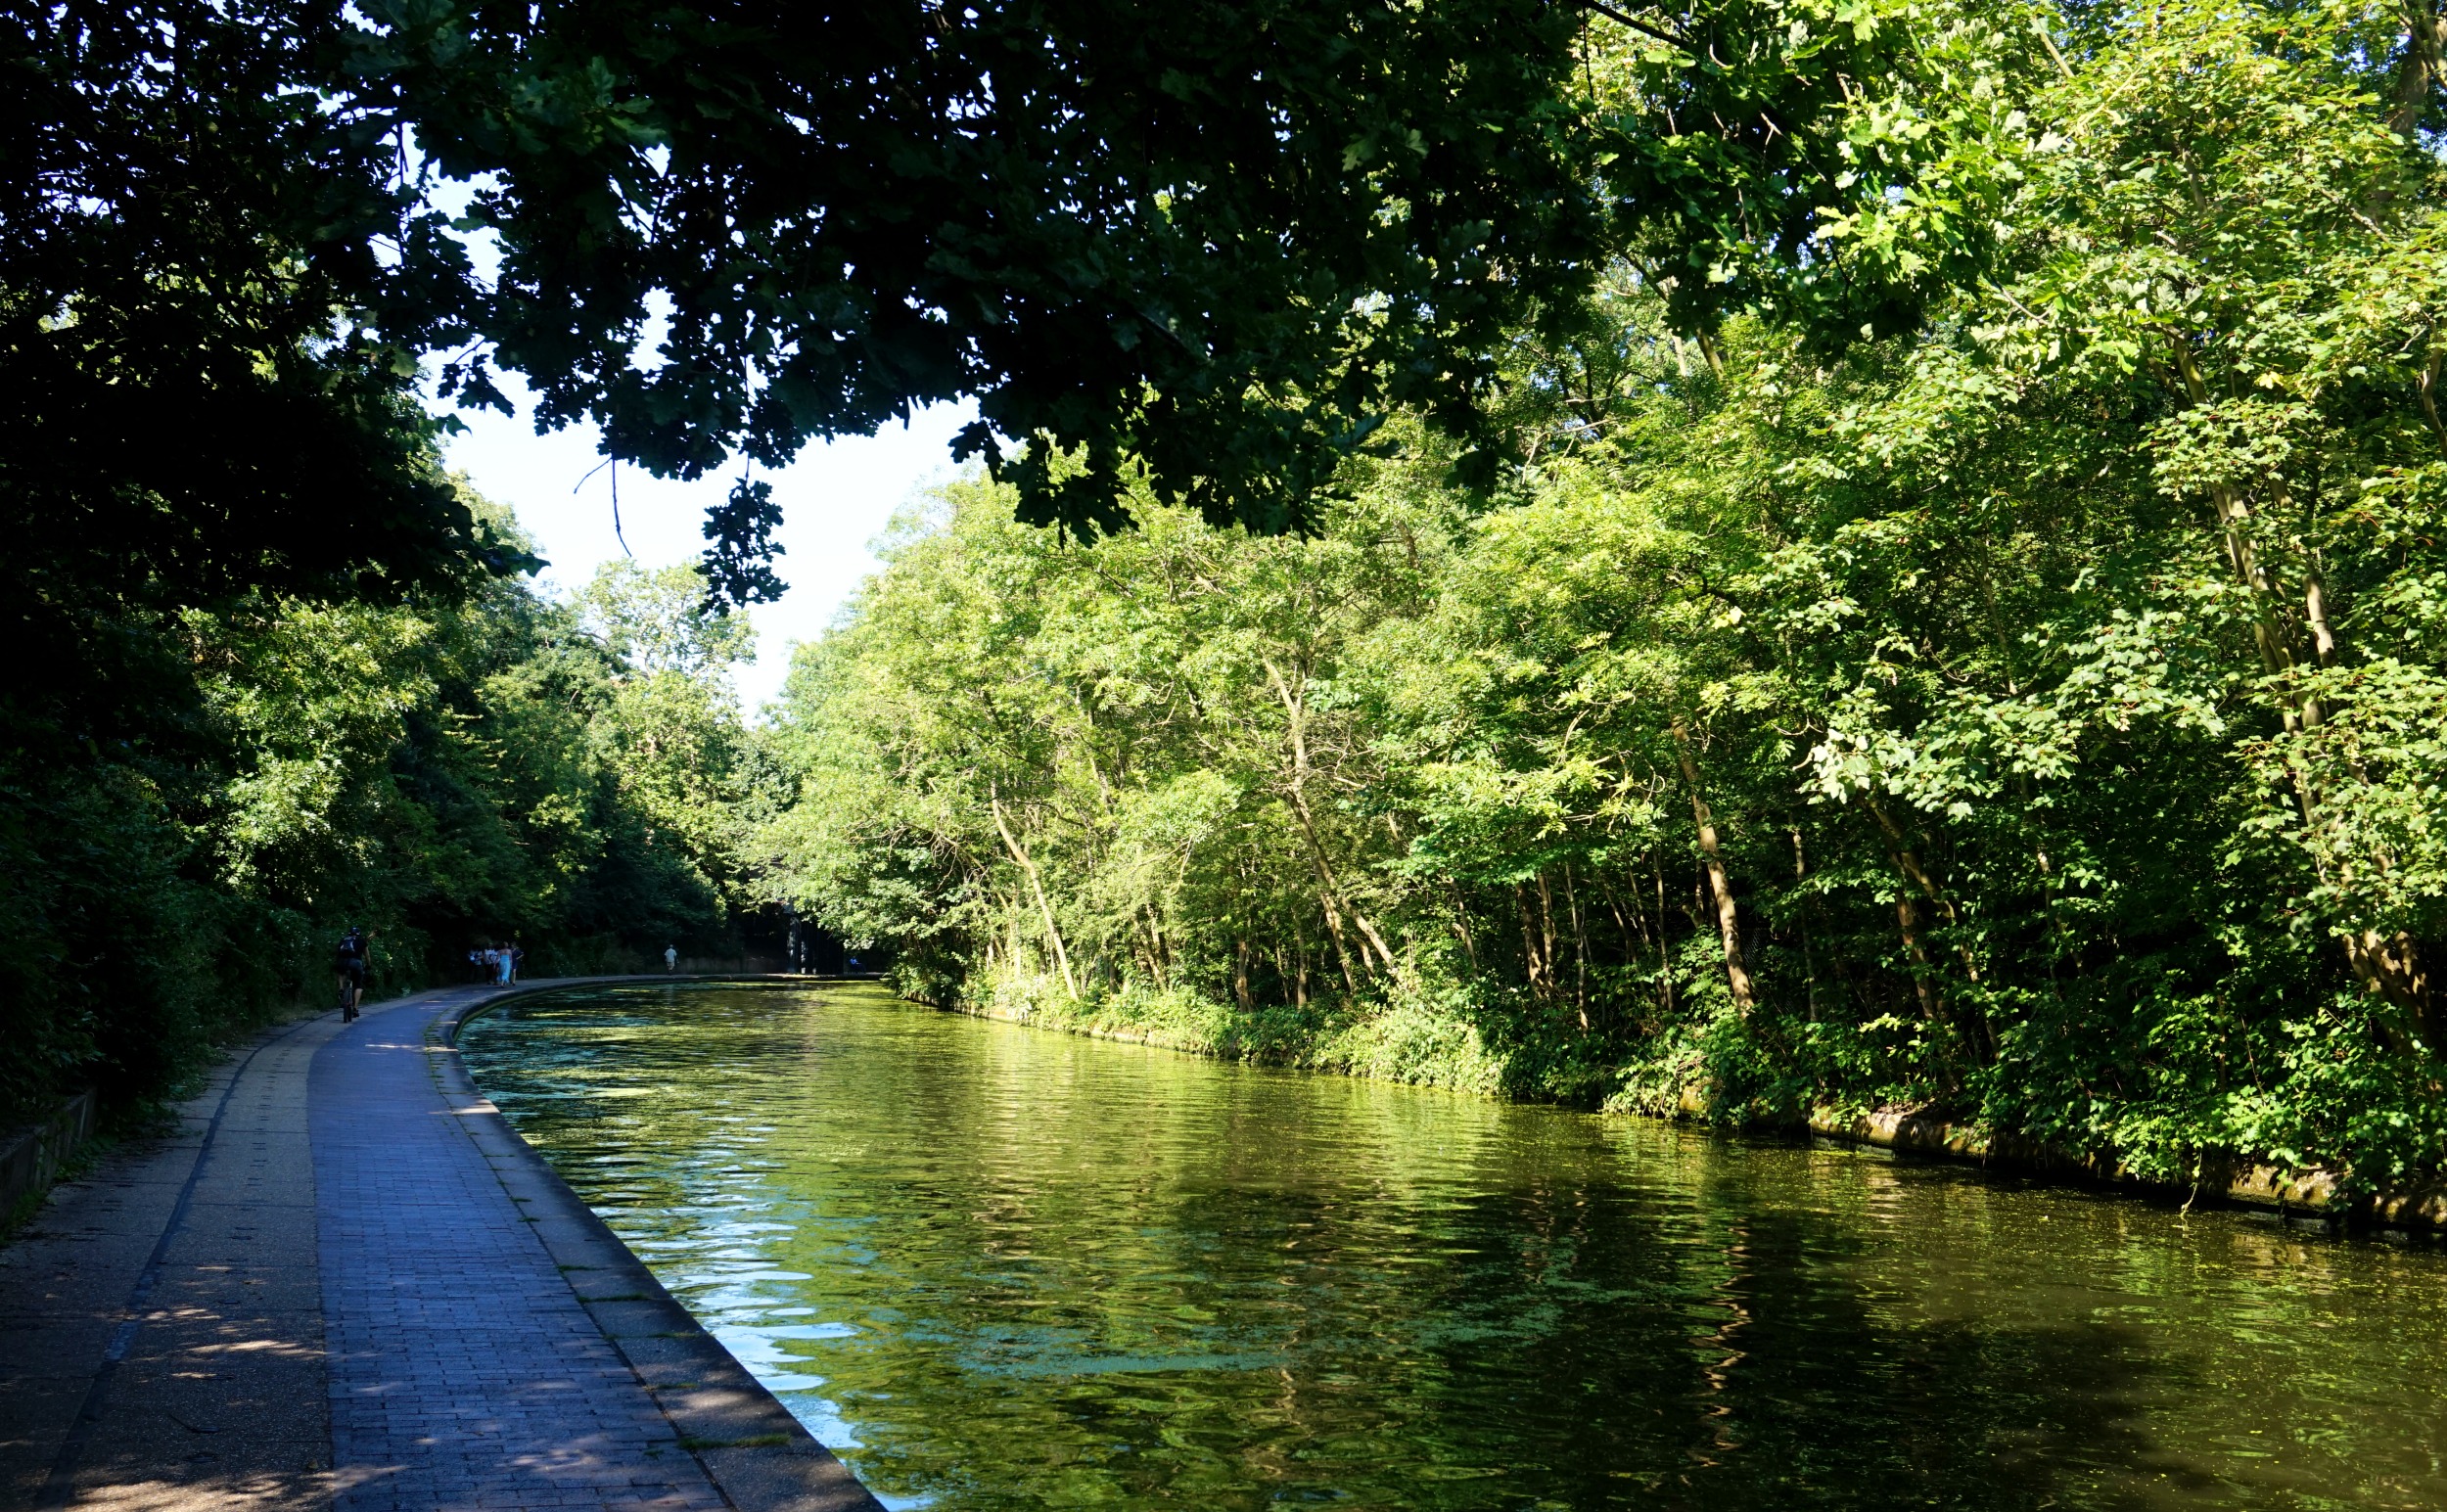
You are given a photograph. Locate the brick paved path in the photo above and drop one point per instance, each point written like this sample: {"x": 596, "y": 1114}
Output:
{"x": 161, "y": 1325}
{"x": 464, "y": 1371}
{"x": 346, "y": 1282}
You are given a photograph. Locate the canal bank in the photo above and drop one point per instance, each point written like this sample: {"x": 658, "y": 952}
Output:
{"x": 1441, "y": 1056}
{"x": 344, "y": 1281}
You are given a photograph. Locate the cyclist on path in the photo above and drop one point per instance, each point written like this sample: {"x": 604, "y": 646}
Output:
{"x": 353, "y": 961}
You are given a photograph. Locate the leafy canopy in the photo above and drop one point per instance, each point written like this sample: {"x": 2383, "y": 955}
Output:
{"x": 1220, "y": 242}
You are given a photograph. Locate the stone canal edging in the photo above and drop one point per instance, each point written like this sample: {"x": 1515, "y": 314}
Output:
{"x": 339, "y": 1282}
{"x": 2312, "y": 1194}
{"x": 756, "y": 1453}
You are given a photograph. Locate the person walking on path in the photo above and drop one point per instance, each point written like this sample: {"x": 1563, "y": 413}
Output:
{"x": 671, "y": 957}
{"x": 514, "y": 958}
{"x": 352, "y": 961}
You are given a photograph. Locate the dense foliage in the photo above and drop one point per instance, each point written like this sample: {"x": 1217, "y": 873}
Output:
{"x": 2034, "y": 715}
{"x": 244, "y": 242}
{"x": 445, "y": 772}
{"x": 1214, "y": 241}
{"x": 1850, "y": 553}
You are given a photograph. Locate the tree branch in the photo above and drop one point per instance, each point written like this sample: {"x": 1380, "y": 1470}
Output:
{"x": 1645, "y": 29}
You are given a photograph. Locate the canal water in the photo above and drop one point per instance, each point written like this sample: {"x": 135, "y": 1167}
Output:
{"x": 996, "y": 1267}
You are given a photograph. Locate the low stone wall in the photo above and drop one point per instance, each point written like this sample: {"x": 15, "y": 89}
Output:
{"x": 2311, "y": 1192}
{"x": 32, "y": 1157}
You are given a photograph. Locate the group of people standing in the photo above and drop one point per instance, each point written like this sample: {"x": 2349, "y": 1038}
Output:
{"x": 497, "y": 964}
{"x": 354, "y": 962}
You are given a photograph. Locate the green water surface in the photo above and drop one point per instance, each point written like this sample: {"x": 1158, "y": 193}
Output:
{"x": 996, "y": 1267}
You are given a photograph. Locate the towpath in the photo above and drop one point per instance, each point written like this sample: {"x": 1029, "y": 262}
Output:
{"x": 348, "y": 1283}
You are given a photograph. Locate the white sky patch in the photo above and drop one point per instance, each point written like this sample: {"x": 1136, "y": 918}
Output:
{"x": 835, "y": 499}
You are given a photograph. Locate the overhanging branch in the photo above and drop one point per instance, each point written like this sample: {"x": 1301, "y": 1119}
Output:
{"x": 1645, "y": 29}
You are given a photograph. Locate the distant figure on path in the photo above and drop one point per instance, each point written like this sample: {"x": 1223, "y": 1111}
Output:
{"x": 671, "y": 957}
{"x": 512, "y": 959}
{"x": 350, "y": 961}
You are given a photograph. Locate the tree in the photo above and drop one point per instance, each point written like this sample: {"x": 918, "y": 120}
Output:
{"x": 1222, "y": 242}
{"x": 2031, "y": 718}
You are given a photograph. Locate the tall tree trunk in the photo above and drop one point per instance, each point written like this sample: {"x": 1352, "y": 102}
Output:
{"x": 1665, "y": 950}
{"x": 1532, "y": 961}
{"x": 1296, "y": 714}
{"x": 1622, "y": 929}
{"x": 1809, "y": 956}
{"x": 2426, "y": 388}
{"x": 2234, "y": 534}
{"x": 1546, "y": 932}
{"x": 2387, "y": 964}
{"x": 2315, "y": 613}
{"x": 1580, "y": 950}
{"x": 2389, "y": 967}
{"x": 1334, "y": 929}
{"x": 1156, "y": 960}
{"x": 1908, "y": 863}
{"x": 1367, "y": 931}
{"x": 1037, "y": 885}
{"x": 1729, "y": 923}
{"x": 1707, "y": 350}
{"x": 1924, "y": 974}
{"x": 1462, "y": 929}
{"x": 2419, "y": 74}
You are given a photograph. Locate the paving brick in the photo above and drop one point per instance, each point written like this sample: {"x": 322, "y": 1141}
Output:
{"x": 464, "y": 1370}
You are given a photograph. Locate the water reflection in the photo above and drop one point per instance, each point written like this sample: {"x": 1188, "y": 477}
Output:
{"x": 1003, "y": 1268}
